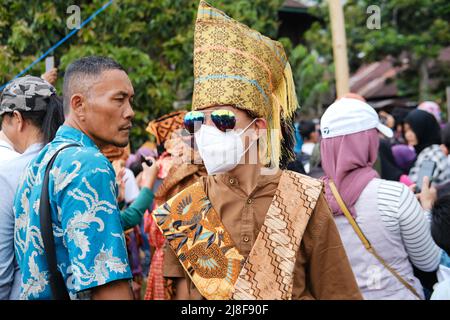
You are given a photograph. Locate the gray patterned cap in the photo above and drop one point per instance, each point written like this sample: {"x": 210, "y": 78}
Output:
{"x": 26, "y": 94}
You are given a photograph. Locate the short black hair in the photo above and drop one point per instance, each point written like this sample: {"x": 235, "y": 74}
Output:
{"x": 79, "y": 70}
{"x": 306, "y": 128}
{"x": 440, "y": 223}
{"x": 399, "y": 114}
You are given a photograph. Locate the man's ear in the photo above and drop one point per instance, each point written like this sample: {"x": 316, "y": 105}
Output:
{"x": 17, "y": 117}
{"x": 261, "y": 126}
{"x": 78, "y": 106}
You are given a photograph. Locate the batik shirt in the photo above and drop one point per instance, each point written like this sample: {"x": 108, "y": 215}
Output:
{"x": 89, "y": 241}
{"x": 434, "y": 153}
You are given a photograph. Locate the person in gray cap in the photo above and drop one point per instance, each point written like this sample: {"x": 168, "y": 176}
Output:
{"x": 31, "y": 113}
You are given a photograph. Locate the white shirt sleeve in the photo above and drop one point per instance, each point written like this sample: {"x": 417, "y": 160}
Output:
{"x": 7, "y": 269}
{"x": 131, "y": 186}
{"x": 401, "y": 212}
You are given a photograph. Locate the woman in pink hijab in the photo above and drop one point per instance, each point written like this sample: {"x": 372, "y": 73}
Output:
{"x": 387, "y": 212}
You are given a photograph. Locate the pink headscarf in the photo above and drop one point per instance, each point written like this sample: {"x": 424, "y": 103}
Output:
{"x": 433, "y": 108}
{"x": 348, "y": 160}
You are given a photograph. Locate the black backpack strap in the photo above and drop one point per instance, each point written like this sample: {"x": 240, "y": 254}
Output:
{"x": 56, "y": 280}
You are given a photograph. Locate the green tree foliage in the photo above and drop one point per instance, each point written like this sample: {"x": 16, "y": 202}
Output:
{"x": 313, "y": 77}
{"x": 153, "y": 40}
{"x": 411, "y": 31}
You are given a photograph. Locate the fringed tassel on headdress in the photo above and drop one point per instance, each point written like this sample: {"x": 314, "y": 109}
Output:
{"x": 274, "y": 135}
{"x": 284, "y": 105}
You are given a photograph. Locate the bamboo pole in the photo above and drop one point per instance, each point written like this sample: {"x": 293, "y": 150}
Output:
{"x": 339, "y": 47}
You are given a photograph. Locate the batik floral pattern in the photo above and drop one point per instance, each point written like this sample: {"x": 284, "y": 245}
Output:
{"x": 89, "y": 242}
{"x": 202, "y": 244}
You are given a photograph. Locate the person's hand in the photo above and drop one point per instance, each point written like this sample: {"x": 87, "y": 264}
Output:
{"x": 121, "y": 183}
{"x": 149, "y": 174}
{"x": 119, "y": 169}
{"x": 51, "y": 76}
{"x": 428, "y": 195}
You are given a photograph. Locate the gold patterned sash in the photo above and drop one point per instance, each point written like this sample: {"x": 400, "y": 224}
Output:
{"x": 200, "y": 241}
{"x": 206, "y": 251}
{"x": 268, "y": 273}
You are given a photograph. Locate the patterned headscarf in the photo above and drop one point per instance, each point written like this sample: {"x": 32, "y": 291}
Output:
{"x": 163, "y": 127}
{"x": 235, "y": 65}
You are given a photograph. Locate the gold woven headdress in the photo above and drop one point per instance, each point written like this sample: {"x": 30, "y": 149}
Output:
{"x": 235, "y": 65}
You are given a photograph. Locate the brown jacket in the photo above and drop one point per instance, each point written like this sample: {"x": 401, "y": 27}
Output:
{"x": 178, "y": 178}
{"x": 322, "y": 268}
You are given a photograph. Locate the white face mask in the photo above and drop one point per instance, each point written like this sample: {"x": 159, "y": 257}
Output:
{"x": 220, "y": 151}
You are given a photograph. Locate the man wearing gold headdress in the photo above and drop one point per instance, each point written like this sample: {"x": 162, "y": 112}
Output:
{"x": 248, "y": 230}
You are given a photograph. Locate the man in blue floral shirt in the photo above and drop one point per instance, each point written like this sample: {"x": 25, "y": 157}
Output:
{"x": 89, "y": 241}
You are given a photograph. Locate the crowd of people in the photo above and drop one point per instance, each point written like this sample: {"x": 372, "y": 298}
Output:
{"x": 235, "y": 199}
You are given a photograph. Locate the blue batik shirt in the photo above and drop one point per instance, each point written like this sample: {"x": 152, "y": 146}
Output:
{"x": 89, "y": 240}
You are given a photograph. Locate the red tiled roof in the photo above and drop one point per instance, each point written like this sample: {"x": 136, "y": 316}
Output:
{"x": 372, "y": 80}
{"x": 444, "y": 55}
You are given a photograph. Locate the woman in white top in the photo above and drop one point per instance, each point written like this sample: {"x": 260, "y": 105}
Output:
{"x": 387, "y": 212}
{"x": 31, "y": 113}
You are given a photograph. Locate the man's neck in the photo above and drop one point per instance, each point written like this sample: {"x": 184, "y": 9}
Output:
{"x": 33, "y": 137}
{"x": 70, "y": 122}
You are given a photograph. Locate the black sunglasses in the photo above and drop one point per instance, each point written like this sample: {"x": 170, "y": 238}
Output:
{"x": 223, "y": 119}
